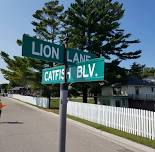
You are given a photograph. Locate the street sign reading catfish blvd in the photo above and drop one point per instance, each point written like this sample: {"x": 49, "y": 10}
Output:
{"x": 51, "y": 52}
{"x": 92, "y": 70}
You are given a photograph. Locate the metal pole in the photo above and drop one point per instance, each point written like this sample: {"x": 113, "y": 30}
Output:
{"x": 63, "y": 108}
{"x": 63, "y": 111}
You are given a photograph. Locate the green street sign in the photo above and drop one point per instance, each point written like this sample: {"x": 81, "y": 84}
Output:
{"x": 92, "y": 70}
{"x": 76, "y": 56}
{"x": 51, "y": 52}
{"x": 42, "y": 50}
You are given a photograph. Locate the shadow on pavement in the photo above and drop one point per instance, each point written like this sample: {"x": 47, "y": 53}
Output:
{"x": 11, "y": 122}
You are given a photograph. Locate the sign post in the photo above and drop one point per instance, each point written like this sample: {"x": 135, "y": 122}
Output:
{"x": 63, "y": 106}
{"x": 82, "y": 68}
{"x": 62, "y": 114}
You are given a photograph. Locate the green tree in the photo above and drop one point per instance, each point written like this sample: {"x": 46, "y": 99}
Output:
{"x": 114, "y": 73}
{"x": 47, "y": 22}
{"x": 25, "y": 72}
{"x": 136, "y": 70}
{"x": 94, "y": 25}
{"x": 47, "y": 26}
{"x": 16, "y": 71}
{"x": 149, "y": 71}
{"x": 5, "y": 87}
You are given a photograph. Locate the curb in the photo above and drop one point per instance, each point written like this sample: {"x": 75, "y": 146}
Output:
{"x": 135, "y": 147}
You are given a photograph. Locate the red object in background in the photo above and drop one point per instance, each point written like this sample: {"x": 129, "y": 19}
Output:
{"x": 2, "y": 105}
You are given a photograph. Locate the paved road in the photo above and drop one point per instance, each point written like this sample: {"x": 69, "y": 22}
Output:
{"x": 24, "y": 128}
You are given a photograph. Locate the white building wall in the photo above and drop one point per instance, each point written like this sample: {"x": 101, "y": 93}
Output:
{"x": 124, "y": 90}
{"x": 142, "y": 90}
{"x": 131, "y": 90}
{"x": 112, "y": 102}
{"x": 145, "y": 92}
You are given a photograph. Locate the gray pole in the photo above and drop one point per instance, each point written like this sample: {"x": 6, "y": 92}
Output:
{"x": 63, "y": 108}
{"x": 63, "y": 111}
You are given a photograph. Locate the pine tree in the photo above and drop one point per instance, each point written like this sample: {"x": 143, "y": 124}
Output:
{"x": 47, "y": 26}
{"x": 148, "y": 71}
{"x": 136, "y": 70}
{"x": 17, "y": 70}
{"x": 47, "y": 22}
{"x": 94, "y": 25}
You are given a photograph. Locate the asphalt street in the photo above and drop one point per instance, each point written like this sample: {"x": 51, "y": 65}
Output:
{"x": 25, "y": 128}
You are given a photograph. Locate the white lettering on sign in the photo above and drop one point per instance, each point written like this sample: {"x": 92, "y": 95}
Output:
{"x": 50, "y": 76}
{"x": 46, "y": 74}
{"x": 68, "y": 59}
{"x": 56, "y": 75}
{"x": 79, "y": 71}
{"x": 46, "y": 51}
{"x": 77, "y": 57}
{"x": 62, "y": 74}
{"x": 87, "y": 58}
{"x": 55, "y": 53}
{"x": 69, "y": 73}
{"x": 91, "y": 70}
{"x": 84, "y": 72}
{"x": 38, "y": 53}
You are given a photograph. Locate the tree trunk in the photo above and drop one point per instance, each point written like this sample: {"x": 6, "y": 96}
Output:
{"x": 95, "y": 97}
{"x": 48, "y": 95}
{"x": 84, "y": 91}
{"x": 49, "y": 101}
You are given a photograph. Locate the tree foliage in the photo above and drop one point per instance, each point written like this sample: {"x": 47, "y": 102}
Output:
{"x": 114, "y": 73}
{"x": 47, "y": 21}
{"x": 17, "y": 69}
{"x": 5, "y": 87}
{"x": 149, "y": 71}
{"x": 94, "y": 25}
{"x": 136, "y": 70}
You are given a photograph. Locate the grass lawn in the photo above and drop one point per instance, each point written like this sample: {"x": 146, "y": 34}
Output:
{"x": 138, "y": 139}
{"x": 55, "y": 101}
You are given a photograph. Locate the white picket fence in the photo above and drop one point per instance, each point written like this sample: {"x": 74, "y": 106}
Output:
{"x": 134, "y": 121}
{"x": 38, "y": 101}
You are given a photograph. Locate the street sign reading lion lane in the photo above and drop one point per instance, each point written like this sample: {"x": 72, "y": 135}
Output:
{"x": 43, "y": 50}
{"x": 92, "y": 70}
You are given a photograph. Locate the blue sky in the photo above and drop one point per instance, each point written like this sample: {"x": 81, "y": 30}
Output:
{"x": 16, "y": 18}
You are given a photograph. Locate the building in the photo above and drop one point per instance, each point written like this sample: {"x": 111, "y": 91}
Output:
{"x": 113, "y": 95}
{"x": 150, "y": 79}
{"x": 133, "y": 92}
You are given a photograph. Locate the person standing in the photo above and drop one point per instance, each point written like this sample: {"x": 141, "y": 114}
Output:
{"x": 1, "y": 106}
